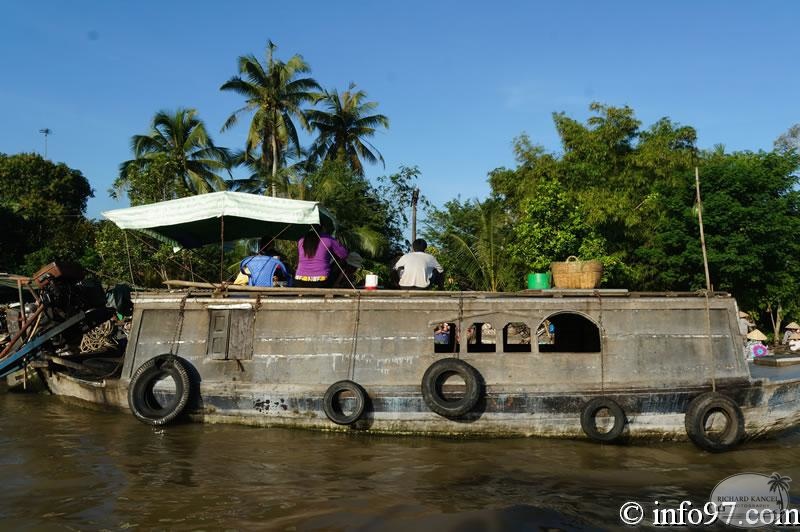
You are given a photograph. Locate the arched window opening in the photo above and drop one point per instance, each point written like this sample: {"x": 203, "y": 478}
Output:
{"x": 568, "y": 332}
{"x": 481, "y": 338}
{"x": 445, "y": 338}
{"x": 517, "y": 337}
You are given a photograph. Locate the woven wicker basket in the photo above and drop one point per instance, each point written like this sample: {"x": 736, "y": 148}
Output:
{"x": 574, "y": 273}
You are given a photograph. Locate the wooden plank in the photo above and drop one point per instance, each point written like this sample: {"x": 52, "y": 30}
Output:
{"x": 240, "y": 341}
{"x": 218, "y": 333}
{"x": 64, "y": 362}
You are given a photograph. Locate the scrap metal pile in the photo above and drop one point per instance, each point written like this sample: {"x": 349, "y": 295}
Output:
{"x": 65, "y": 319}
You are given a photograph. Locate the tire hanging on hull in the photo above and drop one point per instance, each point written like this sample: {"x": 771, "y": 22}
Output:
{"x": 700, "y": 424}
{"x": 589, "y": 420}
{"x": 433, "y": 382}
{"x": 331, "y": 402}
{"x": 142, "y": 393}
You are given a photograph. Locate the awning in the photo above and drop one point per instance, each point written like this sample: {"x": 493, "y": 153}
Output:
{"x": 195, "y": 221}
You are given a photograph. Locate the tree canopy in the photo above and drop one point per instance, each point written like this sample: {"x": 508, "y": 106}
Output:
{"x": 178, "y": 139}
{"x": 42, "y": 207}
{"x": 344, "y": 127}
{"x": 274, "y": 93}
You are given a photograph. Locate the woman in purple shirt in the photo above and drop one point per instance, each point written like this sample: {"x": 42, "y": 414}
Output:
{"x": 314, "y": 259}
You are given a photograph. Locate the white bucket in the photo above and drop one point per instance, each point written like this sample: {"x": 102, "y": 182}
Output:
{"x": 371, "y": 282}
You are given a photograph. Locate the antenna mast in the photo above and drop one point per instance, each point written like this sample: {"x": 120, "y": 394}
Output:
{"x": 46, "y": 132}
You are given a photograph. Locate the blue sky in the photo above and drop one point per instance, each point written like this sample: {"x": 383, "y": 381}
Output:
{"x": 458, "y": 80}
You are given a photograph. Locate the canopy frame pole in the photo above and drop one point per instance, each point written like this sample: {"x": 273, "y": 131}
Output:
{"x": 128, "y": 252}
{"x": 221, "y": 249}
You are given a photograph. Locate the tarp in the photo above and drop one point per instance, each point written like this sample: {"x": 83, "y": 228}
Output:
{"x": 195, "y": 221}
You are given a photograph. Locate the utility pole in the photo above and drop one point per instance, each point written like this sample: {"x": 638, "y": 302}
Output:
{"x": 414, "y": 201}
{"x": 46, "y": 132}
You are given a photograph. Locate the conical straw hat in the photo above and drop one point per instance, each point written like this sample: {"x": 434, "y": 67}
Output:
{"x": 743, "y": 314}
{"x": 755, "y": 334}
{"x": 793, "y": 326}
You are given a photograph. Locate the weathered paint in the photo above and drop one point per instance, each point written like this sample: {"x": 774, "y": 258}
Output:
{"x": 284, "y": 350}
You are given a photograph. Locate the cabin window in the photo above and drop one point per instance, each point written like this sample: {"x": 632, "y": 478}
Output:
{"x": 568, "y": 332}
{"x": 481, "y": 338}
{"x": 517, "y": 338}
{"x": 445, "y": 338}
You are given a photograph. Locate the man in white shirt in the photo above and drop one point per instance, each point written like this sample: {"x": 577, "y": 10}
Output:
{"x": 419, "y": 270}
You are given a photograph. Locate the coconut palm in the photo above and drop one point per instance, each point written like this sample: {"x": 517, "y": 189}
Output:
{"x": 274, "y": 94}
{"x": 180, "y": 137}
{"x": 780, "y": 485}
{"x": 479, "y": 253}
{"x": 344, "y": 126}
{"x": 287, "y": 182}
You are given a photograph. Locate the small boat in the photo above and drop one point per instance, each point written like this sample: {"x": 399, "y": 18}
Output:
{"x": 609, "y": 365}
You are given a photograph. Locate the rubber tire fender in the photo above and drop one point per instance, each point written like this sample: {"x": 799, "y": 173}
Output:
{"x": 589, "y": 416}
{"x": 141, "y": 399}
{"x": 434, "y": 378}
{"x": 697, "y": 415}
{"x": 332, "y": 408}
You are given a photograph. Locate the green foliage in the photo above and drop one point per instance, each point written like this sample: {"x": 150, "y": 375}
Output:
{"x": 395, "y": 192}
{"x": 751, "y": 210}
{"x": 469, "y": 239}
{"x": 42, "y": 205}
{"x": 133, "y": 258}
{"x": 789, "y": 140}
{"x": 274, "y": 94}
{"x": 557, "y": 226}
{"x": 177, "y": 145}
{"x": 363, "y": 218}
{"x": 150, "y": 181}
{"x": 343, "y": 128}
{"x": 602, "y": 198}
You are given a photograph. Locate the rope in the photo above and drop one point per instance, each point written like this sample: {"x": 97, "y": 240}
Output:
{"x": 336, "y": 262}
{"x": 101, "y": 337}
{"x": 710, "y": 345}
{"x": 182, "y": 266}
{"x": 459, "y": 325}
{"x": 351, "y": 370}
{"x": 602, "y": 351}
{"x": 173, "y": 348}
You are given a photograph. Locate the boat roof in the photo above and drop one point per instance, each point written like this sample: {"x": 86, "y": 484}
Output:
{"x": 203, "y": 219}
{"x": 198, "y": 289}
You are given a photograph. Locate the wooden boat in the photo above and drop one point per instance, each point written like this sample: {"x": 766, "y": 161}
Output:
{"x": 620, "y": 365}
{"x": 608, "y": 365}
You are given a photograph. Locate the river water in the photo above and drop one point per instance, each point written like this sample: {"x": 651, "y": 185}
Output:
{"x": 67, "y": 467}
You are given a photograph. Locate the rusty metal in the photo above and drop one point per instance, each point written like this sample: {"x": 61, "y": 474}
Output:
{"x": 22, "y": 330}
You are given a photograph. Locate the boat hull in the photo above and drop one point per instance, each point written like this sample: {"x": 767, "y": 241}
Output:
{"x": 769, "y": 408}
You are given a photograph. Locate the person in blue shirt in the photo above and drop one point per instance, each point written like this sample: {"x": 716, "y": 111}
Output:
{"x": 265, "y": 269}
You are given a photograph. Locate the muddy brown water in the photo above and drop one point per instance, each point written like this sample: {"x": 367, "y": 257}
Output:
{"x": 68, "y": 467}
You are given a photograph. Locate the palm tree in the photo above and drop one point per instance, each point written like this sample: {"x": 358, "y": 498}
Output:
{"x": 479, "y": 253}
{"x": 344, "y": 126}
{"x": 780, "y": 485}
{"x": 288, "y": 179}
{"x": 274, "y": 94}
{"x": 181, "y": 138}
